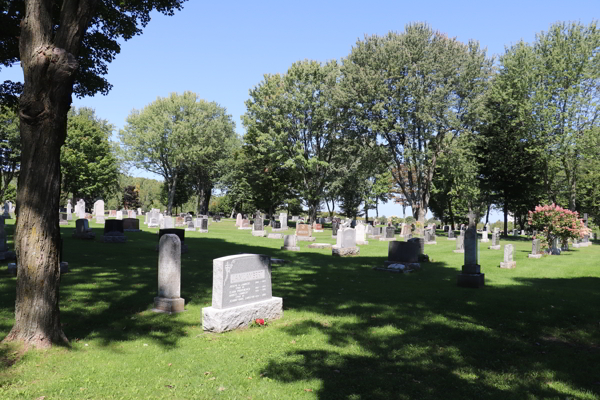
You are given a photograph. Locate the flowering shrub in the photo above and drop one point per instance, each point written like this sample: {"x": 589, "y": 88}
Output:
{"x": 557, "y": 222}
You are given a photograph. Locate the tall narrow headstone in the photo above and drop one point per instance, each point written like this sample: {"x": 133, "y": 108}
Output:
{"x": 69, "y": 210}
{"x": 361, "y": 234}
{"x": 471, "y": 275}
{"x": 484, "y": 236}
{"x": 335, "y": 225}
{"x": 508, "y": 257}
{"x": 169, "y": 276}
{"x": 241, "y": 293}
{"x": 451, "y": 235}
{"x": 238, "y": 220}
{"x": 460, "y": 244}
{"x": 258, "y": 229}
{"x": 99, "y": 211}
{"x": 283, "y": 220}
{"x": 81, "y": 208}
{"x": 495, "y": 241}
{"x": 535, "y": 249}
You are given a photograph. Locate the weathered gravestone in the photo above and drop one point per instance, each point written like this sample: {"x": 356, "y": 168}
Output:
{"x": 83, "y": 230}
{"x": 245, "y": 224}
{"x": 304, "y": 233}
{"x": 335, "y": 225}
{"x": 80, "y": 209}
{"x": 361, "y": 237}
{"x": 484, "y": 236}
{"x": 275, "y": 225}
{"x": 289, "y": 243}
{"x": 166, "y": 222}
{"x": 258, "y": 228}
{"x": 69, "y": 210}
{"x": 62, "y": 219}
{"x": 471, "y": 275}
{"x": 131, "y": 225}
{"x": 317, "y": 227}
{"x": 345, "y": 243}
{"x": 169, "y": 276}
{"x": 430, "y": 236}
{"x": 495, "y": 241}
{"x": 535, "y": 249}
{"x": 241, "y": 293}
{"x": 119, "y": 214}
{"x": 189, "y": 223}
{"x": 460, "y": 245}
{"x": 203, "y": 224}
{"x": 451, "y": 235}
{"x": 113, "y": 231}
{"x": 238, "y": 220}
{"x": 389, "y": 234}
{"x": 508, "y": 257}
{"x": 174, "y": 231}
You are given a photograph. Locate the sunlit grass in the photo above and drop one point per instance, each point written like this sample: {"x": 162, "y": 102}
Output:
{"x": 348, "y": 332}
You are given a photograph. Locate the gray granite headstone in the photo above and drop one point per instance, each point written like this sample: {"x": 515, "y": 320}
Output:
{"x": 390, "y": 232}
{"x": 169, "y": 275}
{"x": 508, "y": 257}
{"x": 241, "y": 293}
{"x": 460, "y": 244}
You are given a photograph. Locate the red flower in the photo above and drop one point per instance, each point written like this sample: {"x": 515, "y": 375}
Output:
{"x": 260, "y": 321}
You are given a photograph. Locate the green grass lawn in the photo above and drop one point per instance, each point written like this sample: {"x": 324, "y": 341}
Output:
{"x": 348, "y": 332}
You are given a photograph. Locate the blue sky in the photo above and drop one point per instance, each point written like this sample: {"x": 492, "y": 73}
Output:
{"x": 220, "y": 50}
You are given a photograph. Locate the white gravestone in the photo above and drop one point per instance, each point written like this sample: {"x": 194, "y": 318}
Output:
{"x": 99, "y": 211}
{"x": 508, "y": 257}
{"x": 69, "y": 210}
{"x": 241, "y": 293}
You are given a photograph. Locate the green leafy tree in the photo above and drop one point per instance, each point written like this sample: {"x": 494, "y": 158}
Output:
{"x": 10, "y": 148}
{"x": 411, "y": 90}
{"x": 131, "y": 198}
{"x": 64, "y": 48}
{"x": 296, "y": 119}
{"x": 88, "y": 167}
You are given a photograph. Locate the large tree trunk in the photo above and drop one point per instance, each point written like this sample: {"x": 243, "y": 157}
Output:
{"x": 49, "y": 61}
{"x": 172, "y": 193}
{"x": 505, "y": 216}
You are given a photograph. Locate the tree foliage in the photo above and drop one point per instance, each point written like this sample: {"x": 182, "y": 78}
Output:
{"x": 10, "y": 147}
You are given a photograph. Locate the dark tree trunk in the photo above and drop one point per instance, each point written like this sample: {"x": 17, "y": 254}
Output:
{"x": 49, "y": 63}
{"x": 505, "y": 217}
{"x": 172, "y": 193}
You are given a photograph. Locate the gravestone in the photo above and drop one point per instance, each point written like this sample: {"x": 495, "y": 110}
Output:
{"x": 173, "y": 231}
{"x": 451, "y": 235}
{"x": 304, "y": 233}
{"x": 335, "y": 225}
{"x": 535, "y": 249}
{"x": 5, "y": 254}
{"x": 508, "y": 257}
{"x": 80, "y": 209}
{"x": 119, "y": 214}
{"x": 495, "y": 241}
{"x": 241, "y": 293}
{"x": 238, "y": 220}
{"x": 471, "y": 275}
{"x": 112, "y": 213}
{"x": 404, "y": 256}
{"x": 430, "y": 236}
{"x": 189, "y": 223}
{"x": 139, "y": 211}
{"x": 484, "y": 236}
{"x": 131, "y": 225}
{"x": 113, "y": 231}
{"x": 389, "y": 234}
{"x": 289, "y": 243}
{"x": 203, "y": 225}
{"x": 245, "y": 224}
{"x": 275, "y": 225}
{"x": 69, "y": 210}
{"x": 169, "y": 276}
{"x": 460, "y": 245}
{"x": 82, "y": 229}
{"x": 180, "y": 221}
{"x": 99, "y": 211}
{"x": 361, "y": 234}
{"x": 258, "y": 229}
{"x": 62, "y": 219}
{"x": 345, "y": 243}
{"x": 317, "y": 227}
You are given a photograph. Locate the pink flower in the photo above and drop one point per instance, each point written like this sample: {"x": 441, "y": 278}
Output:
{"x": 260, "y": 321}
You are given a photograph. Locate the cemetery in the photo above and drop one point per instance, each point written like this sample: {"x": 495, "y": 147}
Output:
{"x": 190, "y": 250}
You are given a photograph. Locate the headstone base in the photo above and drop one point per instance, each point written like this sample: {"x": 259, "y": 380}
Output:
{"x": 246, "y": 228}
{"x": 169, "y": 306}
{"x": 430, "y": 242}
{"x": 452, "y": 238}
{"x": 114, "y": 239}
{"x": 259, "y": 233}
{"x": 203, "y": 230}
{"x": 508, "y": 265}
{"x": 471, "y": 280}
{"x": 318, "y": 230}
{"x": 274, "y": 236}
{"x": 344, "y": 251}
{"x": 534, "y": 256}
{"x": 305, "y": 238}
{"x": 319, "y": 246}
{"x": 494, "y": 247}
{"x": 484, "y": 240}
{"x": 387, "y": 239}
{"x": 85, "y": 236}
{"x": 459, "y": 251}
{"x": 190, "y": 229}
{"x": 152, "y": 225}
{"x": 132, "y": 230}
{"x": 362, "y": 242}
{"x": 576, "y": 245}
{"x": 227, "y": 319}
{"x": 290, "y": 248}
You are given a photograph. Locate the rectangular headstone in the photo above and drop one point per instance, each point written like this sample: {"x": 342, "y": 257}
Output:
{"x": 303, "y": 230}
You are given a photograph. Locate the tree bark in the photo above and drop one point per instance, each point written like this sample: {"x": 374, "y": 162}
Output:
{"x": 172, "y": 193}
{"x": 49, "y": 63}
